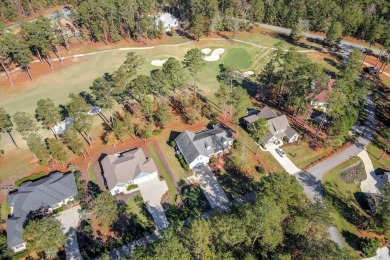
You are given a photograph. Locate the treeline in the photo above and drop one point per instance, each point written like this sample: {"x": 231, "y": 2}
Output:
{"x": 282, "y": 223}
{"x": 128, "y": 17}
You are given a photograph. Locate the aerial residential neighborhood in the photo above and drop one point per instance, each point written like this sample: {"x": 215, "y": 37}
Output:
{"x": 194, "y": 129}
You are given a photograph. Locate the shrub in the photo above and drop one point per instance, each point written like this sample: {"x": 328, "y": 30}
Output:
{"x": 354, "y": 173}
{"x": 58, "y": 210}
{"x": 369, "y": 246}
{"x": 260, "y": 169}
{"x": 132, "y": 186}
{"x": 29, "y": 178}
{"x": 156, "y": 132}
{"x": 173, "y": 143}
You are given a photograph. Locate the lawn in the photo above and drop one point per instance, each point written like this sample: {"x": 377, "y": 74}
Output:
{"x": 379, "y": 165}
{"x": 163, "y": 172}
{"x": 133, "y": 207}
{"x": 91, "y": 174}
{"x": 302, "y": 155}
{"x": 4, "y": 210}
{"x": 346, "y": 200}
{"x": 238, "y": 58}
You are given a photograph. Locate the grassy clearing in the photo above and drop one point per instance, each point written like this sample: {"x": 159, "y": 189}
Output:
{"x": 379, "y": 165}
{"x": 346, "y": 200}
{"x": 302, "y": 155}
{"x": 4, "y": 210}
{"x": 133, "y": 207}
{"x": 169, "y": 153}
{"x": 91, "y": 174}
{"x": 163, "y": 172}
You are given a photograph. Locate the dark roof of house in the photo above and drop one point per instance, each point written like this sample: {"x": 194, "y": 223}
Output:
{"x": 126, "y": 166}
{"x": 32, "y": 196}
{"x": 203, "y": 143}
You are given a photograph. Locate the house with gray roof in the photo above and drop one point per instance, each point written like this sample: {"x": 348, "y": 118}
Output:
{"x": 279, "y": 128}
{"x": 198, "y": 148}
{"x": 125, "y": 168}
{"x": 36, "y": 198}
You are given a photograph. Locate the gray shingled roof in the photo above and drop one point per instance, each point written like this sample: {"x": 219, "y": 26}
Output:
{"x": 203, "y": 143}
{"x": 126, "y": 166}
{"x": 32, "y": 196}
{"x": 276, "y": 123}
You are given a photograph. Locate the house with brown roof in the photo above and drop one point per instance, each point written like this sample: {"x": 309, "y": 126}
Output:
{"x": 320, "y": 99}
{"x": 279, "y": 128}
{"x": 125, "y": 168}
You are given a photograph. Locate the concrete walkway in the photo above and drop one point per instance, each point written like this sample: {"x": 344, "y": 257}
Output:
{"x": 373, "y": 182}
{"x": 152, "y": 191}
{"x": 70, "y": 220}
{"x": 212, "y": 189}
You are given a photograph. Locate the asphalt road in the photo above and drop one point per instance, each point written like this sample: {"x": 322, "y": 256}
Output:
{"x": 314, "y": 36}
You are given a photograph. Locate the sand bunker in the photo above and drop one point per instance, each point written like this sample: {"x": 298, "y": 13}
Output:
{"x": 247, "y": 73}
{"x": 158, "y": 63}
{"x": 206, "y": 51}
{"x": 216, "y": 55}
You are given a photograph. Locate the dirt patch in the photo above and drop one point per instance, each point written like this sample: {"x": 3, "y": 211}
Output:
{"x": 363, "y": 233}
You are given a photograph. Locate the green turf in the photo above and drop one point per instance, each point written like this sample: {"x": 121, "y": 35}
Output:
{"x": 91, "y": 174}
{"x": 163, "y": 172}
{"x": 4, "y": 210}
{"x": 238, "y": 58}
{"x": 133, "y": 207}
{"x": 302, "y": 155}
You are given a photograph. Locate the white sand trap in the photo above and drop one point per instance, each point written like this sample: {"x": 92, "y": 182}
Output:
{"x": 206, "y": 51}
{"x": 158, "y": 63}
{"x": 216, "y": 55}
{"x": 248, "y": 73}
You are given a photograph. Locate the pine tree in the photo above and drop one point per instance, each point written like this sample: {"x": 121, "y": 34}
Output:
{"x": 48, "y": 113}
{"x": 38, "y": 148}
{"x": 6, "y": 125}
{"x": 57, "y": 150}
{"x": 25, "y": 123}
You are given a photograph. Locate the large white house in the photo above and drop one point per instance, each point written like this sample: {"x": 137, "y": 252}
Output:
{"x": 168, "y": 21}
{"x": 129, "y": 167}
{"x": 35, "y": 198}
{"x": 198, "y": 148}
{"x": 279, "y": 128}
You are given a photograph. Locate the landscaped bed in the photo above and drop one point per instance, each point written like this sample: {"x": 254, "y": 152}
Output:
{"x": 191, "y": 202}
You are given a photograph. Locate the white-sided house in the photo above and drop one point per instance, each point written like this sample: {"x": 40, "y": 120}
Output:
{"x": 168, "y": 21}
{"x": 197, "y": 148}
{"x": 34, "y": 198}
{"x": 279, "y": 128}
{"x": 129, "y": 167}
{"x": 320, "y": 100}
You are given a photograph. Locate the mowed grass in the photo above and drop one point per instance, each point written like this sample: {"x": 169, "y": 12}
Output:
{"x": 4, "y": 210}
{"x": 302, "y": 155}
{"x": 381, "y": 165}
{"x": 133, "y": 207}
{"x": 346, "y": 207}
{"x": 91, "y": 174}
{"x": 238, "y": 58}
{"x": 163, "y": 172}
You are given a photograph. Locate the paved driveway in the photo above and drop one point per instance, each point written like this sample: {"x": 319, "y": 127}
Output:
{"x": 70, "y": 220}
{"x": 373, "y": 182}
{"x": 210, "y": 186}
{"x": 286, "y": 163}
{"x": 152, "y": 191}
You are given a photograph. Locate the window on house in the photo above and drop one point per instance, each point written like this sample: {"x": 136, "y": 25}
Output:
{"x": 19, "y": 246}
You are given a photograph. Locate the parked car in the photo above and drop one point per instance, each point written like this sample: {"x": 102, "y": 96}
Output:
{"x": 280, "y": 152}
{"x": 371, "y": 70}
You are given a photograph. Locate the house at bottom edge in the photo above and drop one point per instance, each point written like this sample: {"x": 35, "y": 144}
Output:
{"x": 35, "y": 198}
{"x": 198, "y": 148}
{"x": 125, "y": 168}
